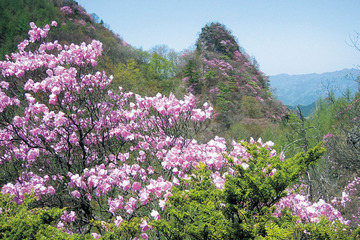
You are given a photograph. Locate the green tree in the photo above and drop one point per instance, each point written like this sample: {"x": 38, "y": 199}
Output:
{"x": 192, "y": 76}
{"x": 244, "y": 208}
{"x": 131, "y": 78}
{"x": 251, "y": 107}
{"x": 195, "y": 212}
{"x": 162, "y": 67}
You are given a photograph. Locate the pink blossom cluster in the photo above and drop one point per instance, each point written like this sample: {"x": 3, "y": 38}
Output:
{"x": 238, "y": 56}
{"x": 220, "y": 64}
{"x": 27, "y": 184}
{"x": 21, "y": 62}
{"x": 66, "y": 9}
{"x": 327, "y": 136}
{"x": 185, "y": 79}
{"x": 80, "y": 22}
{"x": 252, "y": 89}
{"x": 96, "y": 235}
{"x": 349, "y": 202}
{"x": 226, "y": 42}
{"x": 259, "y": 98}
{"x": 352, "y": 187}
{"x": 67, "y": 219}
{"x": 180, "y": 160}
{"x": 215, "y": 90}
{"x": 308, "y": 211}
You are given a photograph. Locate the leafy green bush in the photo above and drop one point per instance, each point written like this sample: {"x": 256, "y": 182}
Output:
{"x": 195, "y": 212}
{"x": 244, "y": 208}
{"x": 24, "y": 222}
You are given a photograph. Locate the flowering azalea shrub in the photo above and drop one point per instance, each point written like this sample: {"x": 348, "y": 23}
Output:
{"x": 113, "y": 159}
{"x": 66, "y": 10}
{"x": 308, "y": 211}
{"x": 252, "y": 203}
{"x": 70, "y": 139}
{"x": 349, "y": 202}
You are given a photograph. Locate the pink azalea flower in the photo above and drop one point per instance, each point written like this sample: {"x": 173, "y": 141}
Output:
{"x": 118, "y": 221}
{"x": 144, "y": 236}
{"x": 96, "y": 235}
{"x": 136, "y": 186}
{"x": 68, "y": 217}
{"x": 272, "y": 172}
{"x": 53, "y": 99}
{"x": 76, "y": 194}
{"x": 144, "y": 225}
{"x": 155, "y": 214}
{"x": 60, "y": 224}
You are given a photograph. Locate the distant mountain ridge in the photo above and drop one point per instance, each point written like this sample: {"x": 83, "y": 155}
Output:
{"x": 305, "y": 110}
{"x": 305, "y": 89}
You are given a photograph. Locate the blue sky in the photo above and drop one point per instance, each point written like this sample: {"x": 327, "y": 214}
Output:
{"x": 289, "y": 36}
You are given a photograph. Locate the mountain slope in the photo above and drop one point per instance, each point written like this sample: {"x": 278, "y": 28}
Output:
{"x": 307, "y": 88}
{"x": 135, "y": 70}
{"x": 75, "y": 25}
{"x": 220, "y": 72}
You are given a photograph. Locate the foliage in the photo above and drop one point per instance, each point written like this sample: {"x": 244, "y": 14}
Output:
{"x": 124, "y": 230}
{"x": 192, "y": 77}
{"x": 325, "y": 229}
{"x": 252, "y": 107}
{"x": 215, "y": 37}
{"x": 195, "y": 211}
{"x": 162, "y": 67}
{"x": 258, "y": 183}
{"x": 15, "y": 17}
{"x": 131, "y": 78}
{"x": 244, "y": 209}
{"x": 24, "y": 222}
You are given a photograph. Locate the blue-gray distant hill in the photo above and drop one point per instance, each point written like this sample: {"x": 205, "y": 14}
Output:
{"x": 305, "y": 89}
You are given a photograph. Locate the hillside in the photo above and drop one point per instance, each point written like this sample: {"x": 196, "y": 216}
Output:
{"x": 134, "y": 69}
{"x": 75, "y": 25}
{"x": 222, "y": 73}
{"x": 307, "y": 88}
{"x": 219, "y": 71}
